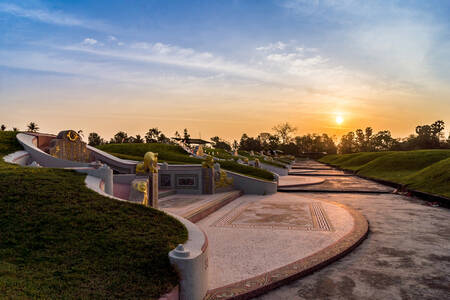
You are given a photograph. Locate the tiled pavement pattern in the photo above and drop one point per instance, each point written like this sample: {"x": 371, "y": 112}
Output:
{"x": 277, "y": 215}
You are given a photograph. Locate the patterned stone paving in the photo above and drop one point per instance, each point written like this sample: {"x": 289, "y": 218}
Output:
{"x": 255, "y": 285}
{"x": 290, "y": 216}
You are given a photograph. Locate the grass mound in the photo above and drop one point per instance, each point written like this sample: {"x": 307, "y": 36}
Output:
{"x": 261, "y": 158}
{"x": 355, "y": 162}
{"x": 396, "y": 165}
{"x": 219, "y": 153}
{"x": 60, "y": 240}
{"x": 174, "y": 154}
{"x": 246, "y": 170}
{"x": 166, "y": 153}
{"x": 423, "y": 170}
{"x": 438, "y": 174}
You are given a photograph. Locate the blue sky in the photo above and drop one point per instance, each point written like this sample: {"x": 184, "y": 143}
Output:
{"x": 224, "y": 67}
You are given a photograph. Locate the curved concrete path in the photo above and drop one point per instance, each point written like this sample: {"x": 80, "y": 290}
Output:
{"x": 292, "y": 181}
{"x": 258, "y": 242}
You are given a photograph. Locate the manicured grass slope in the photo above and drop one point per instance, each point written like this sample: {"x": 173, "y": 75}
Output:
{"x": 423, "y": 170}
{"x": 60, "y": 240}
{"x": 166, "y": 153}
{"x": 173, "y": 154}
{"x": 261, "y": 158}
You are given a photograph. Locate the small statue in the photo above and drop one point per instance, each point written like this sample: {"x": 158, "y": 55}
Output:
{"x": 150, "y": 164}
{"x": 257, "y": 163}
{"x": 223, "y": 180}
{"x": 200, "y": 151}
{"x": 208, "y": 163}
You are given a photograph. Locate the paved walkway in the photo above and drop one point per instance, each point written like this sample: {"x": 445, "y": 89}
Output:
{"x": 289, "y": 181}
{"x": 329, "y": 172}
{"x": 406, "y": 255}
{"x": 343, "y": 184}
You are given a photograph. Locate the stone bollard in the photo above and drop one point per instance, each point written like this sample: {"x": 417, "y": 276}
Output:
{"x": 190, "y": 260}
{"x": 106, "y": 173}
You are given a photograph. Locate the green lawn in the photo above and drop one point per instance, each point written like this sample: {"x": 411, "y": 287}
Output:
{"x": 166, "y": 153}
{"x": 174, "y": 154}
{"x": 60, "y": 240}
{"x": 423, "y": 170}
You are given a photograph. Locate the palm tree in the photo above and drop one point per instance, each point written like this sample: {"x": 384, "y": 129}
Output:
{"x": 3, "y": 127}
{"x": 32, "y": 127}
{"x": 138, "y": 139}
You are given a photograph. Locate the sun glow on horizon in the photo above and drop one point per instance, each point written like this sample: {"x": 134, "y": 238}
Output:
{"x": 339, "y": 119}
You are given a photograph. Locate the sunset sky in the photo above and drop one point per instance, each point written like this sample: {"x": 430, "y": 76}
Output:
{"x": 224, "y": 67}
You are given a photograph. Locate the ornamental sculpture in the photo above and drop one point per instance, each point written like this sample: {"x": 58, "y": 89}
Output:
{"x": 208, "y": 163}
{"x": 69, "y": 146}
{"x": 150, "y": 164}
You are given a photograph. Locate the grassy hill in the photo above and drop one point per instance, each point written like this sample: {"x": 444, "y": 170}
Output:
{"x": 60, "y": 240}
{"x": 174, "y": 154}
{"x": 423, "y": 170}
{"x": 166, "y": 153}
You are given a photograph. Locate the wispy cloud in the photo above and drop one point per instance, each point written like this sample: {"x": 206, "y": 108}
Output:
{"x": 272, "y": 46}
{"x": 51, "y": 17}
{"x": 89, "y": 41}
{"x": 171, "y": 55}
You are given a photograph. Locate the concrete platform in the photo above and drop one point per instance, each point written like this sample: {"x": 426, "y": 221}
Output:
{"x": 342, "y": 184}
{"x": 257, "y": 243}
{"x": 293, "y": 181}
{"x": 330, "y": 172}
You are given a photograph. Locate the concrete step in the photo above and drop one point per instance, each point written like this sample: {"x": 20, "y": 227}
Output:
{"x": 165, "y": 193}
{"x": 208, "y": 208}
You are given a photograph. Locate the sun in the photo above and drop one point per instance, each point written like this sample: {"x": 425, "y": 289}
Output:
{"x": 339, "y": 120}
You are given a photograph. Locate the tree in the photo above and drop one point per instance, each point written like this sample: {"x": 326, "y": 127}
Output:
{"x": 94, "y": 139}
{"x": 428, "y": 136}
{"x": 283, "y": 131}
{"x": 15, "y": 129}
{"x": 220, "y": 144}
{"x": 348, "y": 144}
{"x": 152, "y": 135}
{"x": 138, "y": 139}
{"x": 120, "y": 138}
{"x": 163, "y": 139}
{"x": 32, "y": 127}
{"x": 248, "y": 143}
{"x": 236, "y": 145}
{"x": 3, "y": 127}
{"x": 383, "y": 141}
{"x": 186, "y": 135}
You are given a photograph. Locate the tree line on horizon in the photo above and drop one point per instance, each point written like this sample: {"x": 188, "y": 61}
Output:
{"x": 425, "y": 137}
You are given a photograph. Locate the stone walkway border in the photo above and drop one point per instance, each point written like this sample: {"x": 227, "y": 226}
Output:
{"x": 260, "y": 284}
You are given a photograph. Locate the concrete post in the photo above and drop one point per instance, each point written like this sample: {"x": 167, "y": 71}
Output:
{"x": 153, "y": 189}
{"x": 106, "y": 173}
{"x": 208, "y": 180}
